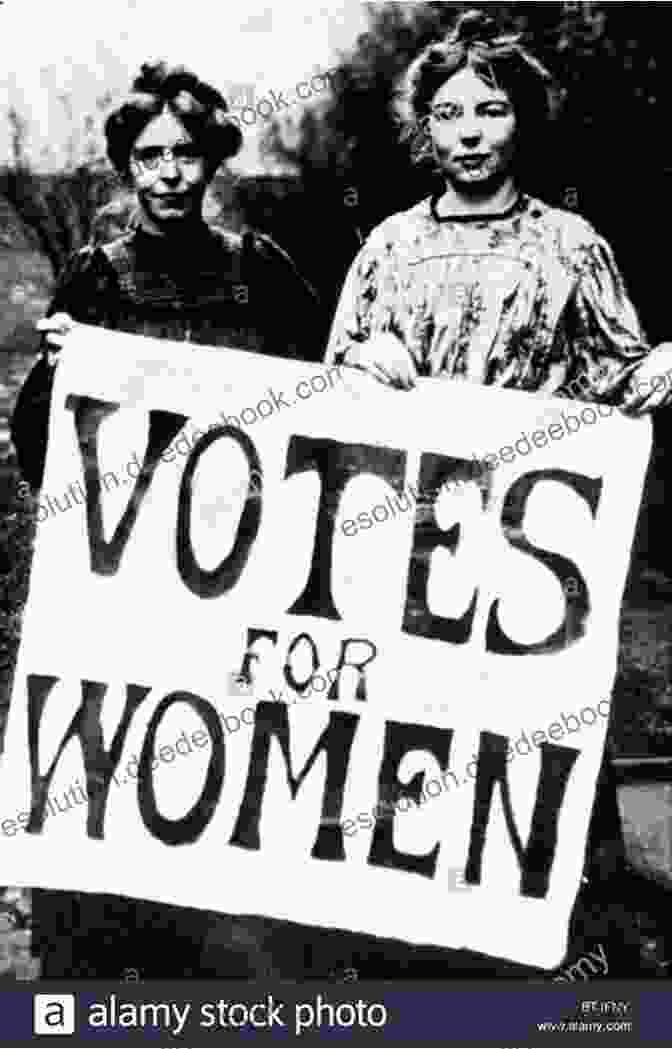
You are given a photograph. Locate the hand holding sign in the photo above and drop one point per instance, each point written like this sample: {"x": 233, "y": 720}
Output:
{"x": 386, "y": 359}
{"x": 56, "y": 330}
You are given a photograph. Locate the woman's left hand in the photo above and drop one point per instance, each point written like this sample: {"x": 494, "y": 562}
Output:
{"x": 650, "y": 385}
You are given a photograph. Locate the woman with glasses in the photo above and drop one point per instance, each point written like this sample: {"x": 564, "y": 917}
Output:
{"x": 483, "y": 283}
{"x": 170, "y": 276}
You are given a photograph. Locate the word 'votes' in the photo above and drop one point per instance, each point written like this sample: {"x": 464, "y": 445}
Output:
{"x": 336, "y": 465}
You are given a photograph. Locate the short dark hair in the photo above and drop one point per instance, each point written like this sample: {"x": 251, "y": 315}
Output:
{"x": 200, "y": 107}
{"x": 477, "y": 42}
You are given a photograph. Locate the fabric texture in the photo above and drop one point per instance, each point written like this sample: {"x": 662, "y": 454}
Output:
{"x": 531, "y": 300}
{"x": 214, "y": 288}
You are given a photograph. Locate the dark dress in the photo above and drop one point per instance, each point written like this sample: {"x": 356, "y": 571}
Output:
{"x": 214, "y": 288}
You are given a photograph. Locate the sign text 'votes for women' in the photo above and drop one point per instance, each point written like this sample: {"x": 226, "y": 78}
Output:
{"x": 444, "y": 635}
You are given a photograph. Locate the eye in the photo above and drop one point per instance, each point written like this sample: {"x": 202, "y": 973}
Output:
{"x": 149, "y": 155}
{"x": 497, "y": 109}
{"x": 445, "y": 112}
{"x": 188, "y": 152}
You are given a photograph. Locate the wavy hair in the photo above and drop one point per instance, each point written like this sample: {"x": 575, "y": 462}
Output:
{"x": 197, "y": 105}
{"x": 476, "y": 42}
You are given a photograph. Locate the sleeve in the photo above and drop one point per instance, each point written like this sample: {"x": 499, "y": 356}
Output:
{"x": 75, "y": 294}
{"x": 607, "y": 342}
{"x": 360, "y": 310}
{"x": 297, "y": 328}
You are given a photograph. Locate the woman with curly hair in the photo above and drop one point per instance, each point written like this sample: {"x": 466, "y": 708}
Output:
{"x": 169, "y": 276}
{"x": 483, "y": 283}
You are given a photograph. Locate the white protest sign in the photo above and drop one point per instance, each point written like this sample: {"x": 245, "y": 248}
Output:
{"x": 443, "y": 634}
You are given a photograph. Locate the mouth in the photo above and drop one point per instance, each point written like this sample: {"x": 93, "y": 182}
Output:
{"x": 473, "y": 161}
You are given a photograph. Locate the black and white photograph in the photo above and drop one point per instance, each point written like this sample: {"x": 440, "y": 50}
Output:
{"x": 335, "y": 569}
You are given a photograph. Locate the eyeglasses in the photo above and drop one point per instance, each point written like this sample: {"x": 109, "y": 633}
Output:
{"x": 184, "y": 156}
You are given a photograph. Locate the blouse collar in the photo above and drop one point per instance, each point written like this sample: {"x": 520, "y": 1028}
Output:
{"x": 518, "y": 205}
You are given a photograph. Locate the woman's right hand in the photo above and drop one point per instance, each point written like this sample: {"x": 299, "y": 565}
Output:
{"x": 386, "y": 359}
{"x": 56, "y": 329}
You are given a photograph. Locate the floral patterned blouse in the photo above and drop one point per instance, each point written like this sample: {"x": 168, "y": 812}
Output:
{"x": 530, "y": 299}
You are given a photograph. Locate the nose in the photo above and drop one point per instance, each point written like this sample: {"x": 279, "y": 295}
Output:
{"x": 470, "y": 132}
{"x": 169, "y": 170}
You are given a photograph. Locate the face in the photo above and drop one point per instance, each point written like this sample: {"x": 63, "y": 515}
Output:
{"x": 473, "y": 129}
{"x": 170, "y": 187}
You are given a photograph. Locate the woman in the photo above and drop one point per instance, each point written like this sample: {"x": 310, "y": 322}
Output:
{"x": 170, "y": 276}
{"x": 482, "y": 283}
